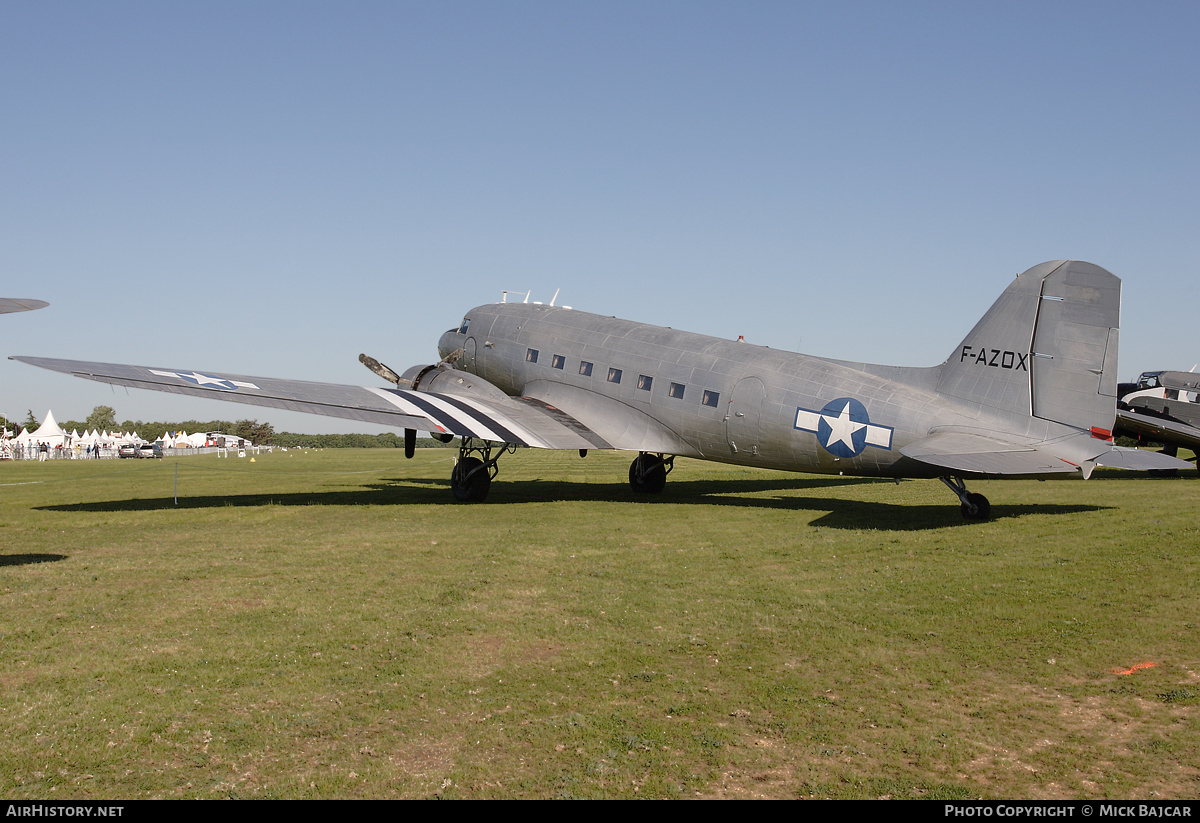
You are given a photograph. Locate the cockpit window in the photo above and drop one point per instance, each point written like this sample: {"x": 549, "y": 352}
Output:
{"x": 463, "y": 328}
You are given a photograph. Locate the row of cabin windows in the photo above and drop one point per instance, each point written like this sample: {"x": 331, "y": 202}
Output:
{"x": 644, "y": 381}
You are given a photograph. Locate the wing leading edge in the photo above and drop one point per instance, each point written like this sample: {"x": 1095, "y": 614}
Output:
{"x": 520, "y": 421}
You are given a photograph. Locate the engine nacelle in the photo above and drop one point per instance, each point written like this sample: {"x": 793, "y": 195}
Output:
{"x": 445, "y": 379}
{"x": 411, "y": 379}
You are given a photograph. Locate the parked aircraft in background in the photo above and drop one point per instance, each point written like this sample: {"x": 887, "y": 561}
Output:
{"x": 11, "y": 304}
{"x": 1030, "y": 392}
{"x": 1161, "y": 407}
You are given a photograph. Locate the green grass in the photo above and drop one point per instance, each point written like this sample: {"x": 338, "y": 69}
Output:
{"x": 331, "y": 625}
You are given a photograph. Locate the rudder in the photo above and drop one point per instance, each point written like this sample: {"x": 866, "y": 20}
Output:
{"x": 1047, "y": 348}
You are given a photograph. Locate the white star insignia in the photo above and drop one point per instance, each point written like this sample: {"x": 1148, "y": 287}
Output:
{"x": 205, "y": 379}
{"x": 836, "y": 431}
{"x": 842, "y": 428}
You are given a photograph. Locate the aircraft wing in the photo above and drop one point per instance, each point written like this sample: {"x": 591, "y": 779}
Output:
{"x": 1158, "y": 429}
{"x": 11, "y": 304}
{"x": 521, "y": 421}
{"x": 971, "y": 452}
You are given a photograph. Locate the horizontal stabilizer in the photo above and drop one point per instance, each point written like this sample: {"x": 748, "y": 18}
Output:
{"x": 1139, "y": 460}
{"x": 971, "y": 453}
{"x": 977, "y": 454}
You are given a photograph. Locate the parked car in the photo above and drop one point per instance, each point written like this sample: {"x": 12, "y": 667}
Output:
{"x": 128, "y": 450}
{"x": 150, "y": 450}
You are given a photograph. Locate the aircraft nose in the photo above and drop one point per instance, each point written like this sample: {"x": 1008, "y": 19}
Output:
{"x": 449, "y": 342}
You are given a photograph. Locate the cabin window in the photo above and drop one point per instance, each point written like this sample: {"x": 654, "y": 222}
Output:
{"x": 463, "y": 328}
{"x": 531, "y": 355}
{"x": 585, "y": 368}
{"x": 676, "y": 390}
{"x": 644, "y": 382}
{"x": 710, "y": 398}
{"x": 558, "y": 361}
{"x": 614, "y": 375}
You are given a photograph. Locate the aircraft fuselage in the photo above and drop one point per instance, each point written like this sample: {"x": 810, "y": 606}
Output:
{"x": 699, "y": 396}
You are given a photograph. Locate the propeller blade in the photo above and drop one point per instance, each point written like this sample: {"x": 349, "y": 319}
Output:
{"x": 380, "y": 369}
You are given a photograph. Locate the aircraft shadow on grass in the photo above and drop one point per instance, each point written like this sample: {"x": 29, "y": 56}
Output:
{"x": 755, "y": 494}
{"x": 25, "y": 559}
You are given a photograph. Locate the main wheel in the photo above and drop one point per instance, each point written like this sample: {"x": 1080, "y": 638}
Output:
{"x": 976, "y": 507}
{"x": 647, "y": 474}
{"x": 469, "y": 485}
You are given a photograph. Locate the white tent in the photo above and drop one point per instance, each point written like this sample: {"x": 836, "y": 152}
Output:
{"x": 49, "y": 433}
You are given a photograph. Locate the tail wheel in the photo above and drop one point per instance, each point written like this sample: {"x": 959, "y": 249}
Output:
{"x": 976, "y": 507}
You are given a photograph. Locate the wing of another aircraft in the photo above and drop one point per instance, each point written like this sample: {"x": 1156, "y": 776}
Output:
{"x": 520, "y": 421}
{"x": 1159, "y": 429}
{"x": 12, "y": 304}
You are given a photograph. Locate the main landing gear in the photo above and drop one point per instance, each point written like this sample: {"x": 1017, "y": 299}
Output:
{"x": 974, "y": 506}
{"x": 648, "y": 472}
{"x": 476, "y": 466}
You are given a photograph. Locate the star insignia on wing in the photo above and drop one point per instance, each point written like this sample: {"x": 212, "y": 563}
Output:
{"x": 205, "y": 380}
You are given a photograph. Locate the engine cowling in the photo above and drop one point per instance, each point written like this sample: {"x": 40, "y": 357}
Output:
{"x": 440, "y": 378}
{"x": 445, "y": 379}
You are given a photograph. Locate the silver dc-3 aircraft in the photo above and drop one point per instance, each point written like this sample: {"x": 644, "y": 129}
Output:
{"x": 1030, "y": 392}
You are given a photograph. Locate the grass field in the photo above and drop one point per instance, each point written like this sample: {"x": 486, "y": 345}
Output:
{"x": 331, "y": 625}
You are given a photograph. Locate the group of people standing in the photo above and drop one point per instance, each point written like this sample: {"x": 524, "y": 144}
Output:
{"x": 44, "y": 451}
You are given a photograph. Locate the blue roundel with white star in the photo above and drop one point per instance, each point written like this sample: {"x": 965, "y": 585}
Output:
{"x": 843, "y": 428}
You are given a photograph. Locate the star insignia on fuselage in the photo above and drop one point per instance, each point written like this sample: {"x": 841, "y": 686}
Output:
{"x": 843, "y": 428}
{"x": 206, "y": 381}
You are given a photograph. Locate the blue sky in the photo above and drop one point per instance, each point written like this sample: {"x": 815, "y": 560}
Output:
{"x": 270, "y": 188}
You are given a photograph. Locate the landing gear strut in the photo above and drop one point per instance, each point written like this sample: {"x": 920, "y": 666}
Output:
{"x": 974, "y": 506}
{"x": 648, "y": 472}
{"x": 476, "y": 466}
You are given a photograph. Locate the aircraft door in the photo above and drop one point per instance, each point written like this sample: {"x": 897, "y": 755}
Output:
{"x": 743, "y": 420}
{"x": 468, "y": 360}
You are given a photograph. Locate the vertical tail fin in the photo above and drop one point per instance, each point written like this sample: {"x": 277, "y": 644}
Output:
{"x": 1047, "y": 348}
